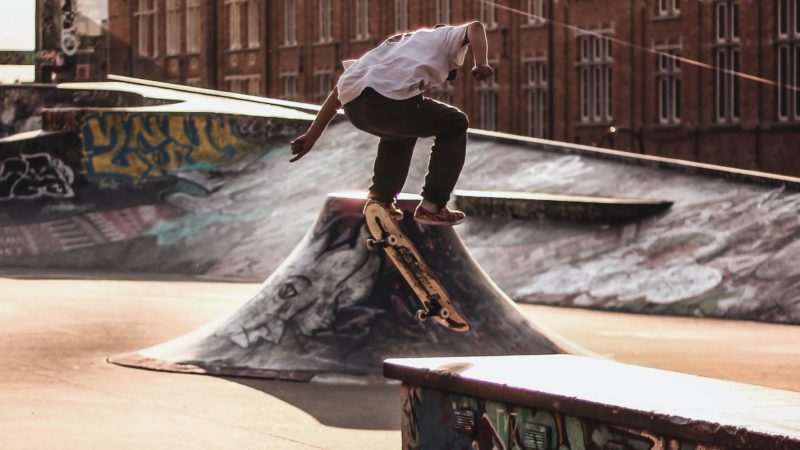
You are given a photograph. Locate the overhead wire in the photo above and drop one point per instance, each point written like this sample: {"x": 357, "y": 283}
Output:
{"x": 682, "y": 59}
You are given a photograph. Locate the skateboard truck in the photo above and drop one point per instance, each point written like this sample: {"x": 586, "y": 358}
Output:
{"x": 432, "y": 308}
{"x": 387, "y": 241}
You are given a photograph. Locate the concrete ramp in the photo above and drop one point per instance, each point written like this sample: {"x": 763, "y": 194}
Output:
{"x": 333, "y": 307}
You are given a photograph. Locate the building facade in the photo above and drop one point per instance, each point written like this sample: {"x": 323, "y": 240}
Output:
{"x": 692, "y": 79}
{"x": 70, "y": 46}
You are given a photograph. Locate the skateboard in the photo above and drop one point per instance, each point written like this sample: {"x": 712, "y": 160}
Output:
{"x": 435, "y": 302}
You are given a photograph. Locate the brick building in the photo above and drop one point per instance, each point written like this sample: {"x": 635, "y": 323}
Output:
{"x": 599, "y": 72}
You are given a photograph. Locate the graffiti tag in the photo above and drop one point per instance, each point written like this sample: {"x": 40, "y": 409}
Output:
{"x": 35, "y": 176}
{"x": 136, "y": 146}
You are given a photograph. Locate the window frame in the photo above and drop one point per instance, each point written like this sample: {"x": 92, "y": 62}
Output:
{"x": 325, "y": 21}
{"x": 595, "y": 64}
{"x": 488, "y": 91}
{"x": 174, "y": 29}
{"x": 668, "y": 84}
{"x": 235, "y": 37}
{"x": 537, "y": 12}
{"x": 323, "y": 84}
{"x": 289, "y": 23}
{"x": 146, "y": 16}
{"x": 668, "y": 8}
{"x": 489, "y": 15}
{"x": 400, "y": 16}
{"x": 362, "y": 20}
{"x": 787, "y": 61}
{"x": 726, "y": 55}
{"x": 286, "y": 79}
{"x": 444, "y": 11}
{"x": 253, "y": 24}
{"x": 193, "y": 27}
{"x": 536, "y": 88}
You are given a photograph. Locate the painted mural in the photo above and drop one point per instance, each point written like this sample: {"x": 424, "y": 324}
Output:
{"x": 435, "y": 419}
{"x": 21, "y": 107}
{"x": 141, "y": 146}
{"x": 81, "y": 184}
{"x": 81, "y": 231}
{"x": 725, "y": 248}
{"x": 34, "y": 176}
{"x": 335, "y": 307}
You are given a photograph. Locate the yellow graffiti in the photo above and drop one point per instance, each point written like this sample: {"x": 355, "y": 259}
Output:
{"x": 149, "y": 145}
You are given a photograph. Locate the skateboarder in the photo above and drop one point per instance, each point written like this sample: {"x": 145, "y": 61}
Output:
{"x": 382, "y": 95}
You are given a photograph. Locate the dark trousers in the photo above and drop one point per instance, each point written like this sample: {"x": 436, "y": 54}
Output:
{"x": 399, "y": 123}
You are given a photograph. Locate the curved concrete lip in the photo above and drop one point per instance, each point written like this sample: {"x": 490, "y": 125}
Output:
{"x": 542, "y": 196}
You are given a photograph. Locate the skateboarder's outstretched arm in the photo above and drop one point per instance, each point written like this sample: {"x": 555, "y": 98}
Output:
{"x": 476, "y": 37}
{"x": 303, "y": 144}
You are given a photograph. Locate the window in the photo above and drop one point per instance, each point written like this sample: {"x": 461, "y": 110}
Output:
{"x": 196, "y": 82}
{"x": 536, "y": 12}
{"x": 253, "y": 24}
{"x": 535, "y": 88}
{"x": 726, "y": 59}
{"x": 244, "y": 84}
{"x": 488, "y": 10}
{"x": 325, "y": 34}
{"x": 193, "y": 26}
{"x": 254, "y": 85}
{"x": 595, "y": 61}
{"x": 145, "y": 14}
{"x": 443, "y": 11}
{"x": 401, "y": 15}
{"x": 173, "y": 27}
{"x": 288, "y": 86}
{"x": 324, "y": 85}
{"x": 788, "y": 48}
{"x": 234, "y": 24}
{"x": 235, "y": 84}
{"x": 668, "y": 84}
{"x": 289, "y": 24}
{"x": 83, "y": 71}
{"x": 362, "y": 19}
{"x": 488, "y": 91}
{"x": 668, "y": 8}
{"x": 442, "y": 93}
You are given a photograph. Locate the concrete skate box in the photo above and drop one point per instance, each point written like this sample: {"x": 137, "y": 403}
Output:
{"x": 570, "y": 402}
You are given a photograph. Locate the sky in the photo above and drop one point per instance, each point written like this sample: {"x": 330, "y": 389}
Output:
{"x": 17, "y": 23}
{"x": 17, "y": 32}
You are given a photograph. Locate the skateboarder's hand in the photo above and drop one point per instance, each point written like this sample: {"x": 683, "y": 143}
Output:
{"x": 302, "y": 145}
{"x": 482, "y": 72}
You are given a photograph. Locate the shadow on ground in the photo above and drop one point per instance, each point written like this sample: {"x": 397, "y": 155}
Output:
{"x": 370, "y": 407}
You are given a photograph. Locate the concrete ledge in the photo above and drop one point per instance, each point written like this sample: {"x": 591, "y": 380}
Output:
{"x": 538, "y": 206}
{"x": 731, "y": 173}
{"x": 579, "y": 402}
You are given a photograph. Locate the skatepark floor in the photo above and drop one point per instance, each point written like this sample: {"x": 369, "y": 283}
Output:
{"x": 58, "y": 392}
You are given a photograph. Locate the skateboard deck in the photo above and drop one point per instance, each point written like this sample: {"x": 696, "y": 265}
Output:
{"x": 434, "y": 299}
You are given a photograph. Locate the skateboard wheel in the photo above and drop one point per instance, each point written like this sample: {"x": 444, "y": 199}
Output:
{"x": 392, "y": 240}
{"x": 370, "y": 244}
{"x": 421, "y": 315}
{"x": 444, "y": 314}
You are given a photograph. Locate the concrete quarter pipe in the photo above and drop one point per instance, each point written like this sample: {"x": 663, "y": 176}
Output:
{"x": 333, "y": 307}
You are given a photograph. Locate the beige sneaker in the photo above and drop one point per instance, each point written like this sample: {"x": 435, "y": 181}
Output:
{"x": 444, "y": 216}
{"x": 395, "y": 212}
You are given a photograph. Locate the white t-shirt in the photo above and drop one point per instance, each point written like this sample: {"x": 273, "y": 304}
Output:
{"x": 404, "y": 65}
